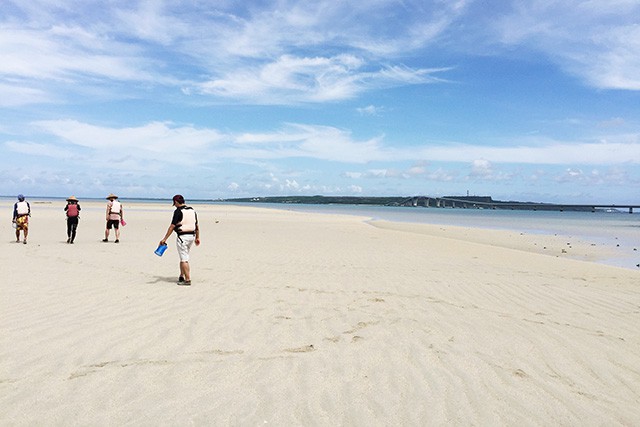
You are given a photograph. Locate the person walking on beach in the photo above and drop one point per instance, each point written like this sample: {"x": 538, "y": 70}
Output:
{"x": 73, "y": 215}
{"x": 115, "y": 214}
{"x": 185, "y": 224}
{"x": 21, "y": 214}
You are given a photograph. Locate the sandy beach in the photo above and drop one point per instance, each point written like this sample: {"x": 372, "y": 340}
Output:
{"x": 309, "y": 319}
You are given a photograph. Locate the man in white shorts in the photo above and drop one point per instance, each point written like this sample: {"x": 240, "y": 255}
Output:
{"x": 185, "y": 224}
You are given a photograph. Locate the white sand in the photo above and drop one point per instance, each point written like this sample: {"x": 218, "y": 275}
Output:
{"x": 303, "y": 319}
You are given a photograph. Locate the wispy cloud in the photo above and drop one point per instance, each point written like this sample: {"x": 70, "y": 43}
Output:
{"x": 145, "y": 148}
{"x": 293, "y": 51}
{"x": 551, "y": 153}
{"x": 255, "y": 87}
{"x": 18, "y": 92}
{"x": 153, "y": 137}
{"x": 267, "y": 55}
{"x": 309, "y": 141}
{"x": 370, "y": 110}
{"x": 39, "y": 149}
{"x": 597, "y": 41}
{"x": 295, "y": 140}
{"x": 292, "y": 79}
{"x": 610, "y": 176}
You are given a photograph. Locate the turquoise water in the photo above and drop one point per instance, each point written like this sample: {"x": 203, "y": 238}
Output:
{"x": 619, "y": 231}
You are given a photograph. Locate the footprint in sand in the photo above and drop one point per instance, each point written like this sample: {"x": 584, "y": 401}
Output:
{"x": 303, "y": 349}
{"x": 520, "y": 373}
{"x": 222, "y": 352}
{"x": 360, "y": 325}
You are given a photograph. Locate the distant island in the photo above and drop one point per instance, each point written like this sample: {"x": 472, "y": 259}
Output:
{"x": 463, "y": 202}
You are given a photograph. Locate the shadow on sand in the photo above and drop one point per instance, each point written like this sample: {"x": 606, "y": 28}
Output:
{"x": 163, "y": 279}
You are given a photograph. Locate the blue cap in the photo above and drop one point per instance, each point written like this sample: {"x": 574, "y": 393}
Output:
{"x": 20, "y": 197}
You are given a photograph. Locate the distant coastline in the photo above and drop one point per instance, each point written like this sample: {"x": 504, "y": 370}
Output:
{"x": 463, "y": 202}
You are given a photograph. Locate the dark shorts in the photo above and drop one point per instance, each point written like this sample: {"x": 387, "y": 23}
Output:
{"x": 113, "y": 223}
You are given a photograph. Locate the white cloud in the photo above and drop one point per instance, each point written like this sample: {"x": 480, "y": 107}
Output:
{"x": 290, "y": 51}
{"x": 353, "y": 175}
{"x": 370, "y": 110}
{"x": 291, "y": 185}
{"x": 351, "y": 26}
{"x": 377, "y": 173}
{"x": 598, "y": 41}
{"x": 538, "y": 152}
{"x": 481, "y": 168}
{"x": 329, "y": 143}
{"x": 442, "y": 175}
{"x": 309, "y": 141}
{"x": 169, "y": 143}
{"x": 416, "y": 170}
{"x": 154, "y": 137}
{"x": 69, "y": 54}
{"x": 291, "y": 79}
{"x": 38, "y": 149}
{"x": 610, "y": 176}
{"x": 273, "y": 54}
{"x": 386, "y": 173}
{"x": 19, "y": 93}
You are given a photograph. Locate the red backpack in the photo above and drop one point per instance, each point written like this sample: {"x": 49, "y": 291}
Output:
{"x": 72, "y": 210}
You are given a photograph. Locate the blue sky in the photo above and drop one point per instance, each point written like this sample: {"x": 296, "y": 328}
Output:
{"x": 522, "y": 100}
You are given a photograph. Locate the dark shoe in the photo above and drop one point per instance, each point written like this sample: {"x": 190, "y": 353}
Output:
{"x": 69, "y": 240}
{"x": 185, "y": 283}
{"x": 105, "y": 240}
{"x": 117, "y": 241}
{"x": 180, "y": 279}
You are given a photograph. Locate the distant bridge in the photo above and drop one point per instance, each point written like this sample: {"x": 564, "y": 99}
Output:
{"x": 448, "y": 202}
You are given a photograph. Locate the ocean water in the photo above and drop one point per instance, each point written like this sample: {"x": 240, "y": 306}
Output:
{"x": 619, "y": 231}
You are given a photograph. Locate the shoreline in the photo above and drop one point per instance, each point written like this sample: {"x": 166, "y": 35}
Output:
{"x": 608, "y": 240}
{"x": 611, "y": 251}
{"x": 598, "y": 241}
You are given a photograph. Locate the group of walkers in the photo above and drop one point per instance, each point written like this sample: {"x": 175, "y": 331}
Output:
{"x": 115, "y": 217}
{"x": 184, "y": 223}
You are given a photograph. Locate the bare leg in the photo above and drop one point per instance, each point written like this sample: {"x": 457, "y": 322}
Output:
{"x": 185, "y": 270}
